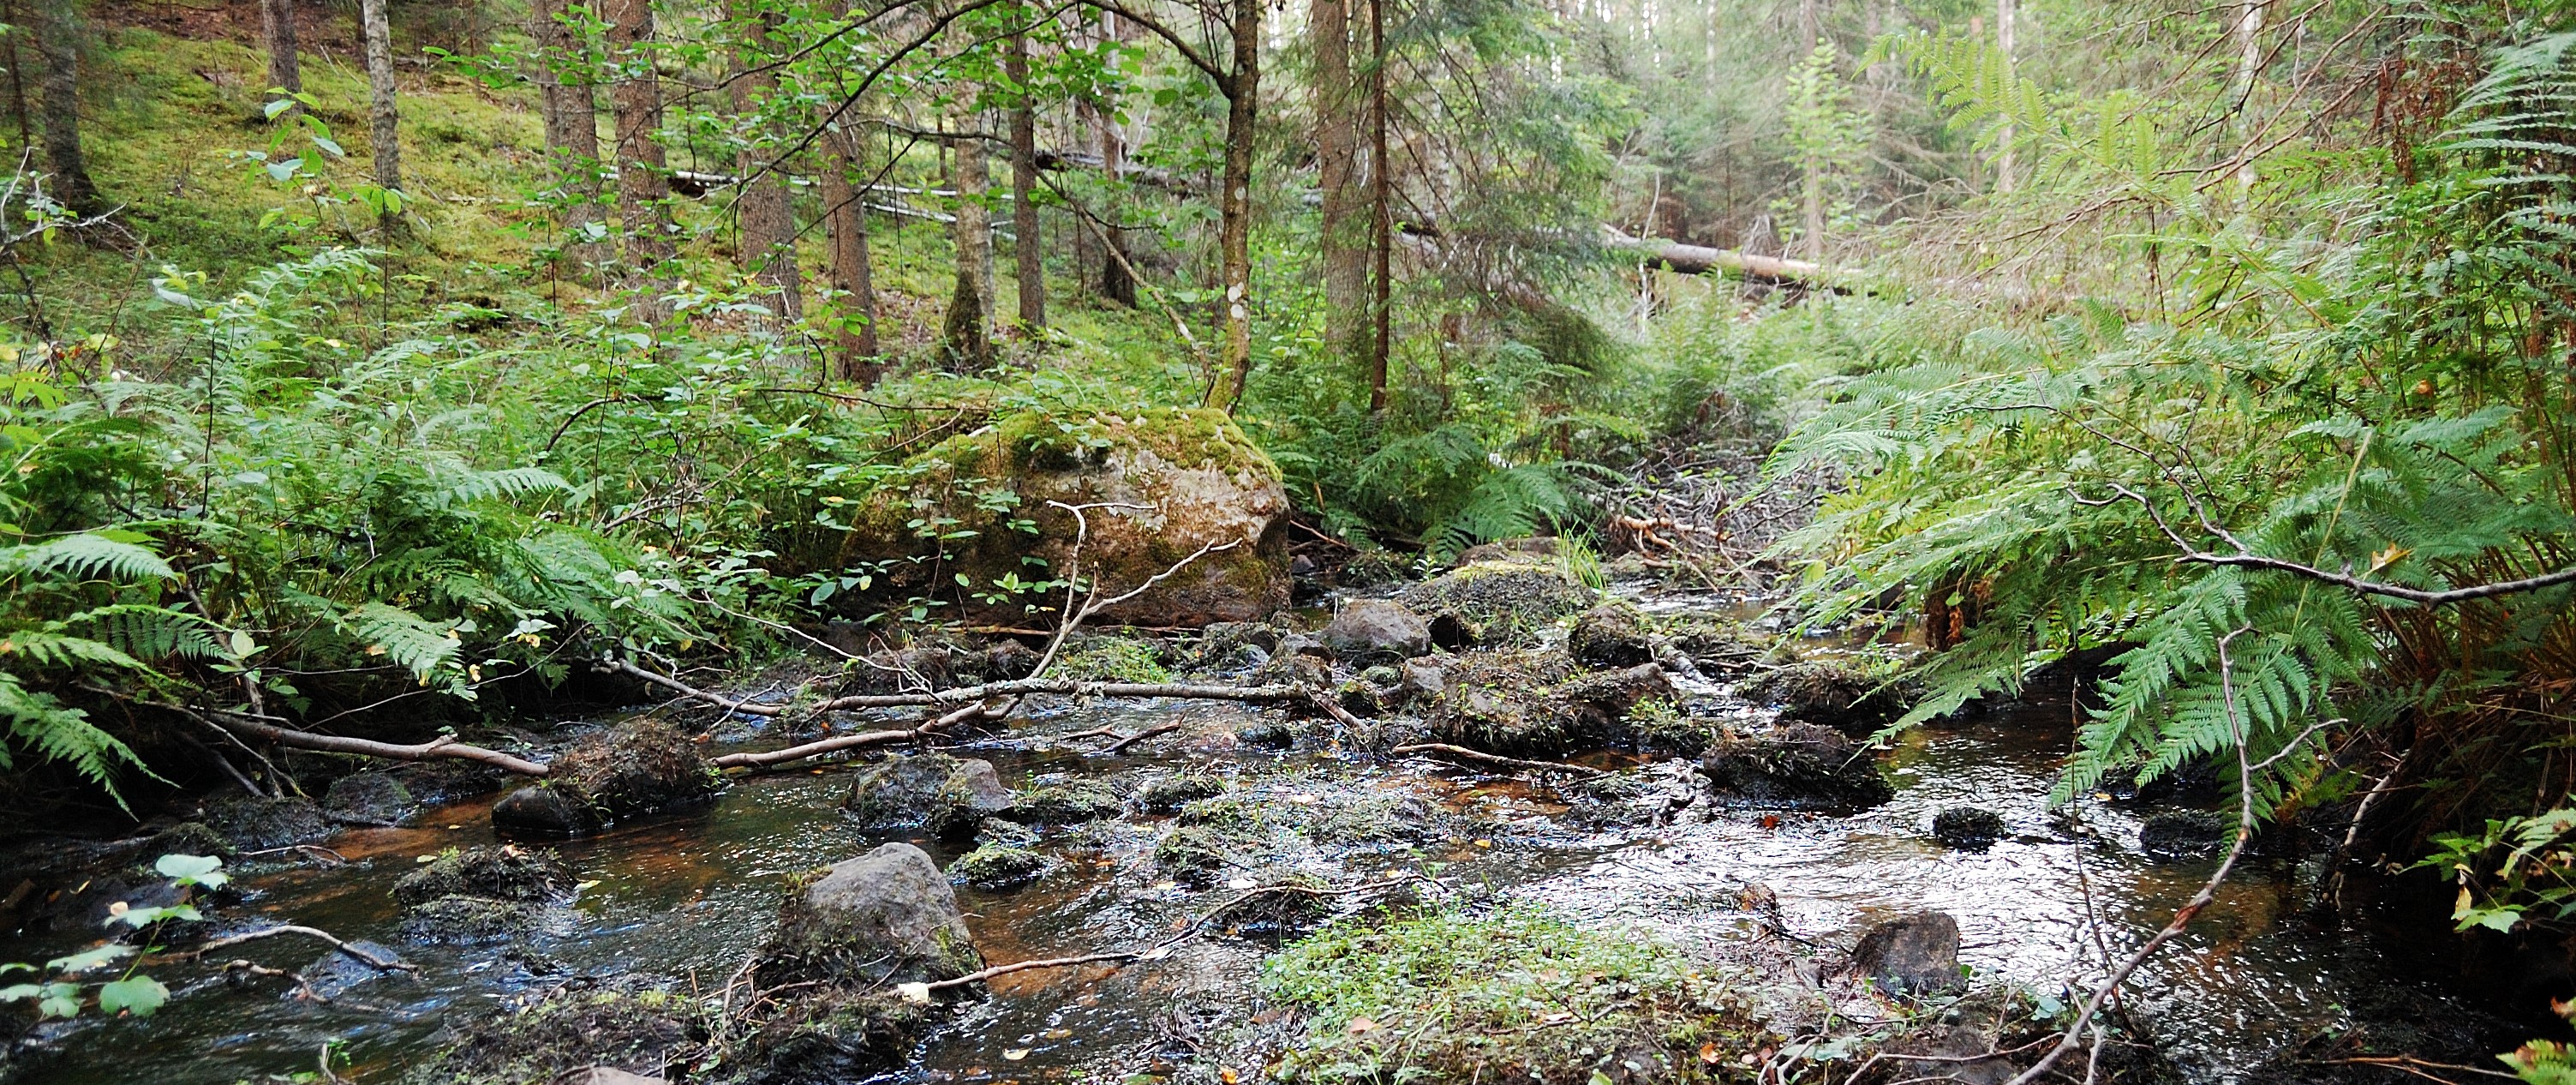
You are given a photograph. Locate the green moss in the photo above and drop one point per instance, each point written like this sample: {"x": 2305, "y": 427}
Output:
{"x": 574, "y": 1030}
{"x": 1510, "y": 996}
{"x": 1112, "y": 659}
{"x": 997, "y": 868}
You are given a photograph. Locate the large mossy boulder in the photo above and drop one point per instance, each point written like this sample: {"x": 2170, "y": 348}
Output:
{"x": 1539, "y": 703}
{"x": 1845, "y": 696}
{"x": 567, "y": 1034}
{"x": 885, "y": 917}
{"x": 1169, "y": 482}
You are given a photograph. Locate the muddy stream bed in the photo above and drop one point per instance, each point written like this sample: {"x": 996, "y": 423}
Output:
{"x": 682, "y": 898}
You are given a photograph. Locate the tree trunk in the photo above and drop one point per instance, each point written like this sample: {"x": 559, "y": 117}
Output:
{"x": 2006, "y": 13}
{"x": 384, "y": 124}
{"x": 1382, "y": 221}
{"x": 1342, "y": 236}
{"x": 643, "y": 182}
{"x": 845, "y": 220}
{"x": 58, "y": 33}
{"x": 566, "y": 96}
{"x": 766, "y": 227}
{"x": 966, "y": 336}
{"x": 2249, "y": 63}
{"x": 1028, "y": 250}
{"x": 1234, "y": 207}
{"x": 277, "y": 31}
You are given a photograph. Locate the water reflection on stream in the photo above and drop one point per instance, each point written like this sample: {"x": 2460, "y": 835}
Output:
{"x": 686, "y": 897}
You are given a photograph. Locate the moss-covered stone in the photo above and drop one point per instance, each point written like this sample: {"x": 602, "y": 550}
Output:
{"x": 1069, "y": 803}
{"x": 929, "y": 790}
{"x": 1795, "y": 764}
{"x": 997, "y": 868}
{"x": 502, "y": 873}
{"x": 258, "y": 823}
{"x": 1854, "y": 699}
{"x": 641, "y": 766}
{"x": 1610, "y": 635}
{"x": 647, "y": 1032}
{"x": 461, "y": 920}
{"x": 1494, "y": 603}
{"x": 1166, "y": 793}
{"x": 829, "y": 1037}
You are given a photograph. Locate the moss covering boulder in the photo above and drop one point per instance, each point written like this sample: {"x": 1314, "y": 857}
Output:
{"x": 1539, "y": 703}
{"x": 653, "y": 1033}
{"x": 1070, "y": 802}
{"x": 485, "y": 894}
{"x": 260, "y": 823}
{"x": 370, "y": 798}
{"x": 1610, "y": 635}
{"x": 1179, "y": 479}
{"x": 998, "y": 868}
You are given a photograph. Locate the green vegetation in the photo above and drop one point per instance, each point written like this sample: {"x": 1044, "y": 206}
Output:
{"x": 1454, "y": 996}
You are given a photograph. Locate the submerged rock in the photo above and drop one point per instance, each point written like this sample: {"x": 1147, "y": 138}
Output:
{"x": 642, "y": 766}
{"x": 335, "y": 973}
{"x": 370, "y": 798}
{"x": 1796, "y": 764}
{"x": 927, "y": 791}
{"x": 1006, "y": 832}
{"x": 465, "y": 921}
{"x": 1968, "y": 828}
{"x": 1377, "y": 629}
{"x": 1911, "y": 955}
{"x": 885, "y": 917}
{"x": 266, "y": 824}
{"x": 997, "y": 868}
{"x": 2182, "y": 836}
{"x": 1610, "y": 635}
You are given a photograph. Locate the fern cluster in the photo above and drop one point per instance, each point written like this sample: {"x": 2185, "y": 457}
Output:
{"x": 2387, "y": 403}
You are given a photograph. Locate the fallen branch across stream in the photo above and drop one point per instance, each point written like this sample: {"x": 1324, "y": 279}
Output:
{"x": 445, "y": 746}
{"x": 1446, "y": 752}
{"x": 837, "y": 743}
{"x": 381, "y": 964}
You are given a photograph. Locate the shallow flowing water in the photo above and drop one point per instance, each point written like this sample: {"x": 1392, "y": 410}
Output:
{"x": 685, "y": 897}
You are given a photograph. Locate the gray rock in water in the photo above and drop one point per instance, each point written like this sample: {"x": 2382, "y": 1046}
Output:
{"x": 1610, "y": 635}
{"x": 1378, "y": 628}
{"x": 369, "y": 798}
{"x": 1423, "y": 680}
{"x": 888, "y": 916}
{"x": 334, "y": 973}
{"x": 608, "y": 1075}
{"x": 1911, "y": 955}
{"x": 1797, "y": 764}
{"x": 1968, "y": 828}
{"x": 466, "y": 920}
{"x": 2183, "y": 836}
{"x": 542, "y": 811}
{"x": 927, "y": 791}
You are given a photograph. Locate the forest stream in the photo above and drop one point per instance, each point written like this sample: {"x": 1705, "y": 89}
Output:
{"x": 681, "y": 898}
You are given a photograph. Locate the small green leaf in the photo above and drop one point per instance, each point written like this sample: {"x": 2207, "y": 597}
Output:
{"x": 139, "y": 995}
